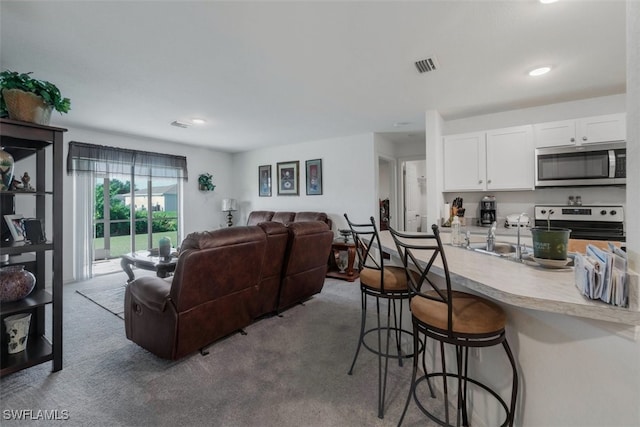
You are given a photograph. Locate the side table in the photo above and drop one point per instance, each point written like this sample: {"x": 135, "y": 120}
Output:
{"x": 340, "y": 246}
{"x": 142, "y": 259}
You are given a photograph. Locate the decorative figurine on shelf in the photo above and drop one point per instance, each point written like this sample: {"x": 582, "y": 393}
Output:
{"x": 26, "y": 179}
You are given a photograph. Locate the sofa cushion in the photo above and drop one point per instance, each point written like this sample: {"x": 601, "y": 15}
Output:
{"x": 256, "y": 217}
{"x": 283, "y": 217}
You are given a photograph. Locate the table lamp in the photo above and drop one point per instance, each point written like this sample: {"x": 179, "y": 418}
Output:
{"x": 228, "y": 206}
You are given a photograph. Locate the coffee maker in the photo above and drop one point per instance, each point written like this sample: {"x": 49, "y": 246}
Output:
{"x": 487, "y": 211}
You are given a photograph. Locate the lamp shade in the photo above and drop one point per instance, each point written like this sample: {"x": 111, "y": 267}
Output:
{"x": 229, "y": 205}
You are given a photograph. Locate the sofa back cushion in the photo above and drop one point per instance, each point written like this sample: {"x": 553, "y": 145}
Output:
{"x": 283, "y": 217}
{"x": 256, "y": 217}
{"x": 214, "y": 264}
{"x": 306, "y": 261}
{"x": 312, "y": 216}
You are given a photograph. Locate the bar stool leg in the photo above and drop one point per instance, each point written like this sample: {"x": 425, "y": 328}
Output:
{"x": 514, "y": 390}
{"x": 412, "y": 388}
{"x": 362, "y": 325}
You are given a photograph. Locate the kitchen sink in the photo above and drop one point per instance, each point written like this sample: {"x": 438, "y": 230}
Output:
{"x": 501, "y": 249}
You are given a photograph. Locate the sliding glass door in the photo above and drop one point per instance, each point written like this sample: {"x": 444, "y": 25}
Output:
{"x": 132, "y": 213}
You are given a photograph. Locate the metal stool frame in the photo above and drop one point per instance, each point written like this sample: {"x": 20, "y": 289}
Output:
{"x": 365, "y": 237}
{"x": 406, "y": 245}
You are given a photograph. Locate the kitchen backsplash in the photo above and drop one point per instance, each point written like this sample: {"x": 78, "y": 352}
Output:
{"x": 510, "y": 202}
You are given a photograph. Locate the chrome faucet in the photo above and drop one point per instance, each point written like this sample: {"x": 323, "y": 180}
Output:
{"x": 491, "y": 237}
{"x": 518, "y": 247}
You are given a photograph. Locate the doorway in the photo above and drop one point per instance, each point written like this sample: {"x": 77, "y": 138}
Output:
{"x": 386, "y": 192}
{"x": 414, "y": 192}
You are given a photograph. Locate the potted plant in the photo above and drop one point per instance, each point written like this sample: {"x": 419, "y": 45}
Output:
{"x": 27, "y": 99}
{"x": 204, "y": 182}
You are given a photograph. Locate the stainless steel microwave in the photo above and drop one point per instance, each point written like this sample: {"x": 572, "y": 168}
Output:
{"x": 581, "y": 165}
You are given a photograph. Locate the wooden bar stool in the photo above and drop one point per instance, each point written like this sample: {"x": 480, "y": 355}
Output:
{"x": 380, "y": 282}
{"x": 450, "y": 317}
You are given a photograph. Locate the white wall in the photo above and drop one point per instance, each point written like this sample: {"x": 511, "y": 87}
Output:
{"x": 633, "y": 134}
{"x": 348, "y": 176}
{"x": 201, "y": 210}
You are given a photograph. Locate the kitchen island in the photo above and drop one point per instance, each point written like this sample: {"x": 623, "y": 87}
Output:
{"x": 578, "y": 359}
{"x": 527, "y": 286}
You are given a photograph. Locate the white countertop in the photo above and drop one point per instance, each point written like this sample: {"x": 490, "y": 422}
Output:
{"x": 526, "y": 286}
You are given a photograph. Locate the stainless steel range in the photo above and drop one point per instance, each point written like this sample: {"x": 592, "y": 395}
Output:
{"x": 592, "y": 222}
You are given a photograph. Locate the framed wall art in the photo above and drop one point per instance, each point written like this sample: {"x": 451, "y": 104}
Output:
{"x": 15, "y": 226}
{"x": 264, "y": 181}
{"x": 314, "y": 177}
{"x": 288, "y": 178}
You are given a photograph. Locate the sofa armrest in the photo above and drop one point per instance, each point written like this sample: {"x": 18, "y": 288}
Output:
{"x": 152, "y": 292}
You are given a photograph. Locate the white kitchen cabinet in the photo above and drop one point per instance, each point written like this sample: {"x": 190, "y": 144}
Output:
{"x": 499, "y": 159}
{"x": 587, "y": 130}
{"x": 510, "y": 159}
{"x": 465, "y": 162}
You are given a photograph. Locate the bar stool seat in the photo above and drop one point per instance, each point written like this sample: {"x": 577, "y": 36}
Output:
{"x": 394, "y": 278}
{"x": 471, "y": 314}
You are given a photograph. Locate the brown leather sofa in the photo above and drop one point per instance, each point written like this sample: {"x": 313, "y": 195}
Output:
{"x": 286, "y": 218}
{"x": 225, "y": 280}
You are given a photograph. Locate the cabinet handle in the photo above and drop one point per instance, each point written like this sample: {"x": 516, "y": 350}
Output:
{"x": 584, "y": 138}
{"x": 573, "y": 140}
{"x": 488, "y": 181}
{"x": 479, "y": 181}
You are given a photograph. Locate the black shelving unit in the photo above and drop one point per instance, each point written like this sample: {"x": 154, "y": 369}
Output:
{"x": 24, "y": 140}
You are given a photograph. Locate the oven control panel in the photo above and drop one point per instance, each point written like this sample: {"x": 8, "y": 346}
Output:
{"x": 606, "y": 213}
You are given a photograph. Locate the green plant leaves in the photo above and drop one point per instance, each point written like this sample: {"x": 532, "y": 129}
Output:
{"x": 44, "y": 89}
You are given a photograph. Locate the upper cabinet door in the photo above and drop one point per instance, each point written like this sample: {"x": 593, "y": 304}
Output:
{"x": 612, "y": 127}
{"x": 465, "y": 162}
{"x": 552, "y": 134}
{"x": 587, "y": 130}
{"x": 510, "y": 159}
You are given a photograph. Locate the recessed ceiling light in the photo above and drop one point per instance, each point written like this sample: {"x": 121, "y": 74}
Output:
{"x": 539, "y": 71}
{"x": 198, "y": 121}
{"x": 548, "y": 1}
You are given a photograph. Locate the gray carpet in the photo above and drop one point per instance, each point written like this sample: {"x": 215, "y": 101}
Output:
{"x": 111, "y": 299}
{"x": 287, "y": 371}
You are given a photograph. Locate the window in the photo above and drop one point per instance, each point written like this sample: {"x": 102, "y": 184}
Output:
{"x": 134, "y": 200}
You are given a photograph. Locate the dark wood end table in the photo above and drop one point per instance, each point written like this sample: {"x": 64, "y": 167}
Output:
{"x": 339, "y": 246}
{"x": 141, "y": 259}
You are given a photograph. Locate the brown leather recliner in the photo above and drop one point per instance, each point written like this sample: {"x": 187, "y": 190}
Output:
{"x": 214, "y": 292}
{"x": 306, "y": 262}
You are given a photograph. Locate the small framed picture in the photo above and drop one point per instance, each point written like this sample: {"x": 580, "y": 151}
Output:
{"x": 264, "y": 181}
{"x": 288, "y": 178}
{"x": 15, "y": 226}
{"x": 314, "y": 177}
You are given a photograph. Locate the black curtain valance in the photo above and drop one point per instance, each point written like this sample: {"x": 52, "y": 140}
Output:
{"x": 85, "y": 157}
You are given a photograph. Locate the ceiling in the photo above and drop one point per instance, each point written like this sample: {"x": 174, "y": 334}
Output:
{"x": 271, "y": 73}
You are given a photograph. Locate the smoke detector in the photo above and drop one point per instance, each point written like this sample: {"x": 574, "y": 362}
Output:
{"x": 428, "y": 64}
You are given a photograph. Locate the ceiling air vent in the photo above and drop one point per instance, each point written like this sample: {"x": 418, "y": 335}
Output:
{"x": 427, "y": 64}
